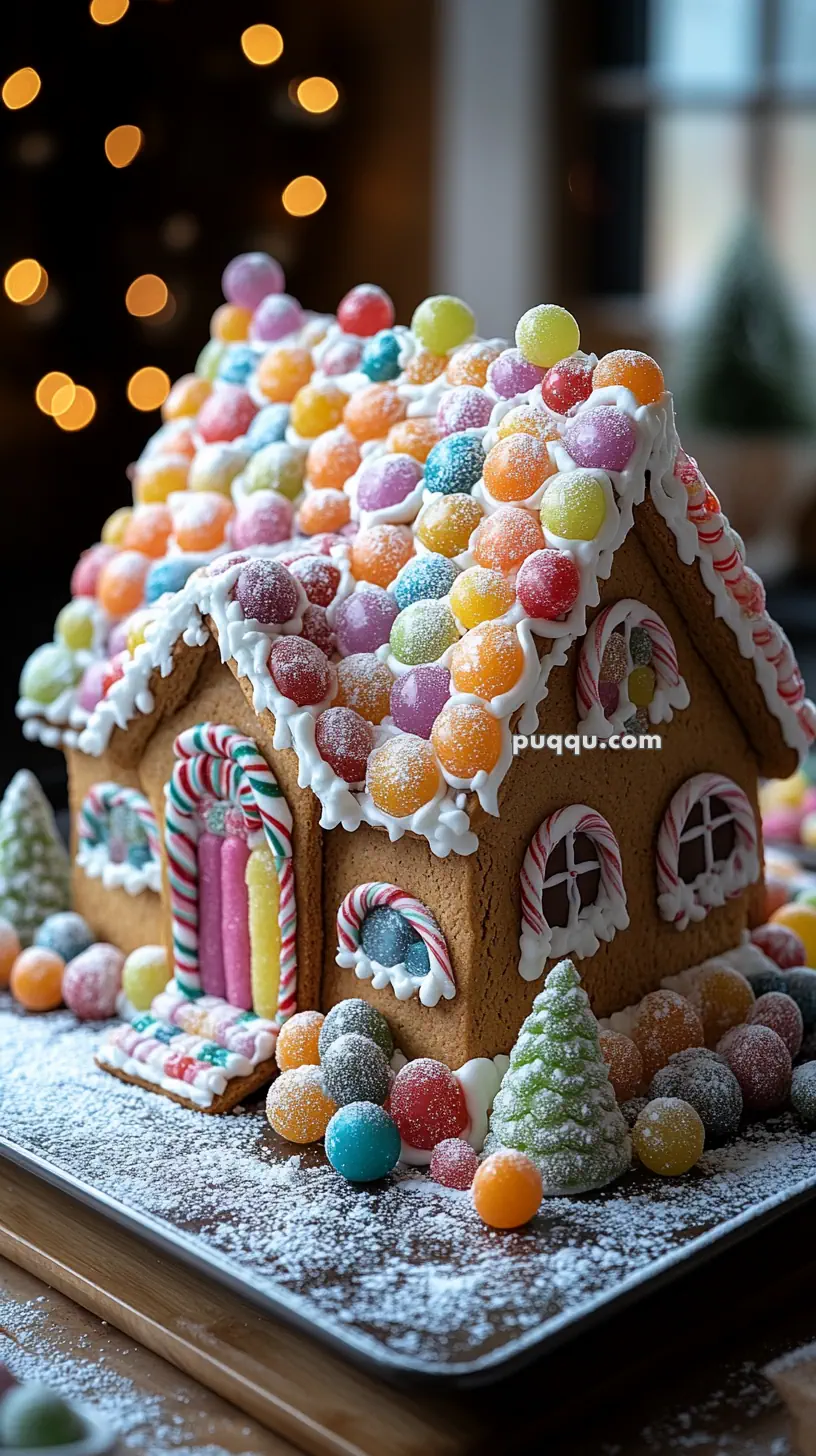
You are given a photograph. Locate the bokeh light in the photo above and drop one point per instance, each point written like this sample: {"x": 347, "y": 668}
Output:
{"x": 107, "y": 12}
{"x": 303, "y": 196}
{"x": 79, "y": 413}
{"x": 262, "y": 44}
{"x": 146, "y": 295}
{"x": 25, "y": 281}
{"x": 123, "y": 144}
{"x": 317, "y": 94}
{"x": 20, "y": 88}
{"x": 148, "y": 388}
{"x": 54, "y": 383}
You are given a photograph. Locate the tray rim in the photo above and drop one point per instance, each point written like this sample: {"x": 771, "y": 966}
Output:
{"x": 366, "y": 1351}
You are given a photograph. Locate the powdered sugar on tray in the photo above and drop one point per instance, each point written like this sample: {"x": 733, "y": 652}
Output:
{"x": 414, "y": 1279}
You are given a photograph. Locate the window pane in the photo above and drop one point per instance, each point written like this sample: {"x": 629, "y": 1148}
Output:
{"x": 705, "y": 45}
{"x": 796, "y": 55}
{"x": 793, "y": 201}
{"x": 697, "y": 195}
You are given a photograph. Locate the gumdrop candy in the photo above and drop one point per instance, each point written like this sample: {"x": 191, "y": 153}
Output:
{"x": 298, "y": 1041}
{"x": 567, "y": 383}
{"x": 780, "y": 944}
{"x": 92, "y": 982}
{"x": 507, "y": 1189}
{"x": 480, "y": 594}
{"x": 145, "y": 975}
{"x": 801, "y": 919}
{"x": 664, "y": 1023}
{"x": 469, "y": 365}
{"x": 721, "y": 996}
{"x": 356, "y": 1015}
{"x": 669, "y": 1136}
{"x": 250, "y": 277}
{"x": 468, "y": 739}
{"x": 624, "y": 1064}
{"x": 370, "y": 413}
{"x": 379, "y": 552}
{"x": 36, "y": 979}
{"x": 364, "y": 310}
{"x": 364, "y": 685}
{"x": 517, "y": 467}
{"x": 511, "y": 374}
{"x": 385, "y": 936}
{"x": 66, "y": 933}
{"x": 631, "y": 370}
{"x": 761, "y": 1064}
{"x": 319, "y": 578}
{"x": 355, "y": 1070}
{"x": 423, "y": 578}
{"x": 427, "y": 1103}
{"x": 423, "y": 632}
{"x": 454, "y": 1164}
{"x": 50, "y": 671}
{"x": 781, "y": 1013}
{"x": 362, "y": 1142}
{"x": 386, "y": 481}
{"x": 800, "y": 983}
{"x": 344, "y": 741}
{"x": 454, "y": 465}
{"x": 548, "y": 584}
{"x": 446, "y": 523}
{"x": 324, "y": 510}
{"x": 9, "y": 950}
{"x": 86, "y": 573}
{"x": 463, "y": 408}
{"x": 547, "y": 333}
{"x": 704, "y": 1079}
{"x": 31, "y": 1416}
{"x": 506, "y": 538}
{"x": 381, "y": 357}
{"x": 443, "y": 322}
{"x": 803, "y": 1093}
{"x": 264, "y": 519}
{"x": 418, "y": 697}
{"x": 276, "y": 316}
{"x": 298, "y": 1106}
{"x": 403, "y": 776}
{"x": 266, "y": 592}
{"x": 300, "y": 671}
{"x": 488, "y": 661}
{"x": 574, "y": 506}
{"x": 601, "y": 438}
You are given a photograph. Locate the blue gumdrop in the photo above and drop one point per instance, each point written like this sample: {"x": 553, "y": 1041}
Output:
{"x": 268, "y": 426}
{"x": 424, "y": 578}
{"x": 385, "y": 936}
{"x": 455, "y": 464}
{"x": 139, "y": 855}
{"x": 417, "y": 960}
{"x": 168, "y": 575}
{"x": 381, "y": 356}
{"x": 237, "y": 364}
{"x": 66, "y": 933}
{"x": 800, "y": 983}
{"x": 362, "y": 1142}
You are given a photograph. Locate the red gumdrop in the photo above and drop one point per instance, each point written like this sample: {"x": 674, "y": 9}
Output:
{"x": 114, "y": 670}
{"x": 777, "y": 894}
{"x": 227, "y": 413}
{"x": 567, "y": 383}
{"x": 454, "y": 1163}
{"x": 300, "y": 671}
{"x": 344, "y": 740}
{"x": 427, "y": 1103}
{"x": 91, "y": 982}
{"x": 761, "y": 1064}
{"x": 266, "y": 591}
{"x": 319, "y": 578}
{"x": 548, "y": 584}
{"x": 365, "y": 310}
{"x": 86, "y": 573}
{"x": 781, "y": 945}
{"x": 317, "y": 628}
{"x": 782, "y": 1015}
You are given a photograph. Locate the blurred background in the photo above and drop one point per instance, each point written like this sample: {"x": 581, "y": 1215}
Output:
{"x": 651, "y": 164}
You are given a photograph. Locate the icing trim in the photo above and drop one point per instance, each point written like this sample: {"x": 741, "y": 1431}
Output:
{"x": 671, "y": 690}
{"x": 589, "y": 925}
{"x": 439, "y": 981}
{"x": 679, "y": 902}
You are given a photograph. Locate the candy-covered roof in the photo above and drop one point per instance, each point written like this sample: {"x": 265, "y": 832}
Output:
{"x": 419, "y": 522}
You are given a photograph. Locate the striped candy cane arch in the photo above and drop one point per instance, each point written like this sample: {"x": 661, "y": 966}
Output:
{"x": 680, "y": 902}
{"x": 670, "y": 690}
{"x": 539, "y": 941}
{"x": 92, "y": 823}
{"x": 438, "y": 983}
{"x": 217, "y": 762}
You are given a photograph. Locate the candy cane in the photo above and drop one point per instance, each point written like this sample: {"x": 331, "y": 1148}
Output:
{"x": 664, "y": 659}
{"x": 539, "y": 941}
{"x": 679, "y": 901}
{"x": 368, "y": 896}
{"x": 97, "y": 805}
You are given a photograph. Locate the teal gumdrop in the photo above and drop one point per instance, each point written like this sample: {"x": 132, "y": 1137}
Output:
{"x": 454, "y": 464}
{"x": 381, "y": 356}
{"x": 423, "y": 632}
{"x": 169, "y": 575}
{"x": 417, "y": 960}
{"x": 424, "y": 578}
{"x": 237, "y": 364}
{"x": 385, "y": 936}
{"x": 268, "y": 426}
{"x": 362, "y": 1142}
{"x": 32, "y": 1416}
{"x": 66, "y": 933}
{"x": 50, "y": 671}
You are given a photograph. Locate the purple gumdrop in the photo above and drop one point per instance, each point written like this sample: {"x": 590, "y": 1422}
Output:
{"x": 464, "y": 408}
{"x": 603, "y": 438}
{"x": 341, "y": 356}
{"x": 386, "y": 481}
{"x": 266, "y": 592}
{"x": 511, "y": 374}
{"x": 364, "y": 620}
{"x": 91, "y": 687}
{"x": 276, "y": 316}
{"x": 250, "y": 277}
{"x": 418, "y": 697}
{"x": 264, "y": 520}
{"x": 609, "y": 696}
{"x": 117, "y": 638}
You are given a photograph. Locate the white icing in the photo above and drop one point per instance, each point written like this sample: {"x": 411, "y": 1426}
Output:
{"x": 131, "y": 878}
{"x": 430, "y": 988}
{"x": 480, "y": 1079}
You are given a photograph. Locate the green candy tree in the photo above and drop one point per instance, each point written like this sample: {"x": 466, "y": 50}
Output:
{"x": 34, "y": 868}
{"x": 555, "y": 1102}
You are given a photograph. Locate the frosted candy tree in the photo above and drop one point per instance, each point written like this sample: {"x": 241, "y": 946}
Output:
{"x": 34, "y": 870}
{"x": 556, "y": 1103}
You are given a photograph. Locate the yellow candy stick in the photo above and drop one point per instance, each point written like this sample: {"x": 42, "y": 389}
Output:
{"x": 264, "y": 931}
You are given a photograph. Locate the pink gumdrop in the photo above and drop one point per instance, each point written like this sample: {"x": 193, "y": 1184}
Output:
{"x": 317, "y": 628}
{"x": 117, "y": 637}
{"x": 226, "y": 414}
{"x": 341, "y": 356}
{"x": 511, "y": 374}
{"x": 427, "y": 1103}
{"x": 418, "y": 697}
{"x": 782, "y": 825}
{"x": 387, "y": 481}
{"x": 318, "y": 576}
{"x": 223, "y": 563}
{"x": 92, "y": 686}
{"x": 91, "y": 982}
{"x": 761, "y": 1064}
{"x": 454, "y": 1164}
{"x": 609, "y": 694}
{"x": 809, "y": 800}
{"x": 603, "y": 438}
{"x": 777, "y": 894}
{"x": 344, "y": 741}
{"x": 548, "y": 584}
{"x": 248, "y": 279}
{"x": 364, "y": 620}
{"x": 266, "y": 592}
{"x": 782, "y": 1015}
{"x": 781, "y": 945}
{"x": 86, "y": 573}
{"x": 463, "y": 408}
{"x": 300, "y": 671}
{"x": 264, "y": 519}
{"x": 276, "y": 316}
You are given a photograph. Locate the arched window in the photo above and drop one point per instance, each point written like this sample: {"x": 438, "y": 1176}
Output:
{"x": 118, "y": 840}
{"x": 628, "y": 676}
{"x": 706, "y": 849}
{"x": 572, "y": 894}
{"x": 391, "y": 939}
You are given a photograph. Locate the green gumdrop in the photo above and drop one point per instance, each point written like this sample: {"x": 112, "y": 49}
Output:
{"x": 74, "y": 625}
{"x": 209, "y": 359}
{"x": 442, "y": 322}
{"x": 423, "y": 632}
{"x": 806, "y": 897}
{"x": 32, "y": 1416}
{"x": 276, "y": 467}
{"x": 48, "y": 672}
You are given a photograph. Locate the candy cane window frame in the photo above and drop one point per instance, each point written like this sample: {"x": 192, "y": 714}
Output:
{"x": 680, "y": 902}
{"x": 588, "y": 924}
{"x": 671, "y": 691}
{"x": 437, "y": 984}
{"x": 93, "y": 854}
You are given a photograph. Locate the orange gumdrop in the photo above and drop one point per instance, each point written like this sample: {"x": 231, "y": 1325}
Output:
{"x": 506, "y": 538}
{"x": 200, "y": 523}
{"x": 528, "y": 419}
{"x": 624, "y": 1064}
{"x": 230, "y": 323}
{"x": 425, "y": 367}
{"x": 487, "y": 661}
{"x": 36, "y": 979}
{"x": 298, "y": 1041}
{"x": 507, "y": 1189}
{"x": 332, "y": 458}
{"x": 722, "y": 998}
{"x": 148, "y": 530}
{"x": 9, "y": 950}
{"x": 186, "y": 397}
{"x": 372, "y": 411}
{"x": 633, "y": 370}
{"x": 380, "y": 552}
{"x": 120, "y": 588}
{"x": 403, "y": 775}
{"x": 470, "y": 364}
{"x": 447, "y": 522}
{"x": 298, "y": 1106}
{"x": 467, "y": 739}
{"x": 413, "y": 437}
{"x": 665, "y": 1023}
{"x": 324, "y": 510}
{"x": 517, "y": 467}
{"x": 364, "y": 685}
{"x": 282, "y": 372}
{"x": 159, "y": 476}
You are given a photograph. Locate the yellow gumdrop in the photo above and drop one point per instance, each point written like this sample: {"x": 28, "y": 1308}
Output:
{"x": 640, "y": 685}
{"x": 783, "y": 793}
{"x": 574, "y": 506}
{"x": 144, "y": 975}
{"x": 547, "y": 333}
{"x": 668, "y": 1136}
{"x": 113, "y": 531}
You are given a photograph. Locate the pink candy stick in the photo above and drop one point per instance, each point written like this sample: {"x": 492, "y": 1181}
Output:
{"x": 210, "y": 952}
{"x": 235, "y": 922}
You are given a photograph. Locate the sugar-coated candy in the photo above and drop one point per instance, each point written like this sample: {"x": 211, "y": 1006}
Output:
{"x": 601, "y": 438}
{"x": 75, "y": 624}
{"x": 230, "y": 323}
{"x": 704, "y": 1079}
{"x": 417, "y": 959}
{"x": 763, "y": 979}
{"x": 92, "y": 981}
{"x": 782, "y": 825}
{"x": 298, "y": 1107}
{"x": 468, "y": 739}
{"x": 86, "y": 573}
{"x": 364, "y": 620}
{"x": 454, "y": 465}
{"x": 169, "y": 575}
{"x": 120, "y": 589}
{"x": 480, "y": 594}
{"x": 446, "y": 523}
{"x": 423, "y": 367}
{"x": 319, "y": 578}
{"x": 298, "y": 1041}
{"x": 631, "y": 1110}
{"x": 463, "y": 408}
{"x": 427, "y": 1103}
{"x": 800, "y": 983}
{"x": 299, "y": 670}
{"x": 236, "y": 364}
{"x": 378, "y": 553}
{"x": 145, "y": 974}
{"x": 511, "y": 374}
{"x": 356, "y": 1015}
{"x": 207, "y": 363}
{"x": 324, "y": 510}
{"x": 385, "y": 935}
{"x": 781, "y": 1013}
{"x": 381, "y": 356}
{"x": 487, "y": 661}
{"x": 547, "y": 333}
{"x": 279, "y": 467}
{"x": 615, "y": 661}
{"x": 32, "y": 1416}
{"x": 316, "y": 628}
{"x": 263, "y": 519}
{"x": 9, "y": 950}
{"x": 414, "y": 437}
{"x": 362, "y": 1142}
{"x": 504, "y": 539}
{"x": 469, "y": 365}
{"x": 403, "y": 775}
{"x": 50, "y": 671}
{"x": 364, "y": 685}
{"x": 780, "y": 944}
{"x": 200, "y": 520}
{"x": 507, "y": 1189}
{"x": 159, "y": 477}
{"x": 624, "y": 1063}
{"x": 418, "y": 697}
{"x": 250, "y": 277}
{"x": 640, "y": 686}
{"x": 517, "y": 467}
{"x": 548, "y": 584}
{"x": 574, "y": 506}
{"x": 342, "y": 355}
{"x": 36, "y": 979}
{"x": 114, "y": 670}
{"x": 453, "y": 1164}
{"x": 386, "y": 481}
{"x": 631, "y": 370}
{"x": 226, "y": 414}
{"x": 528, "y": 419}
{"x": 443, "y": 322}
{"x": 332, "y": 458}
{"x": 344, "y": 741}
{"x": 372, "y": 411}
{"x": 268, "y": 426}
{"x": 664, "y": 1023}
{"x": 317, "y": 407}
{"x": 364, "y": 310}
{"x": 803, "y": 1093}
{"x": 282, "y": 371}
{"x": 66, "y": 932}
{"x": 186, "y": 397}
{"x": 114, "y": 529}
{"x": 423, "y": 631}
{"x": 669, "y": 1136}
{"x": 567, "y": 383}
{"x": 761, "y": 1064}
{"x": 722, "y": 998}
{"x": 355, "y": 1070}
{"x": 266, "y": 592}
{"x": 276, "y": 316}
{"x": 149, "y": 530}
